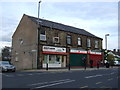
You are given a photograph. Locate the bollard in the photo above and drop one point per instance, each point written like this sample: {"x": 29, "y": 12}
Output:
{"x": 46, "y": 66}
{"x": 69, "y": 67}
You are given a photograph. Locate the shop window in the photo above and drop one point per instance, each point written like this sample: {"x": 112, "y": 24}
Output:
{"x": 53, "y": 59}
{"x": 79, "y": 41}
{"x": 96, "y": 43}
{"x": 43, "y": 35}
{"x": 69, "y": 39}
{"x": 88, "y": 43}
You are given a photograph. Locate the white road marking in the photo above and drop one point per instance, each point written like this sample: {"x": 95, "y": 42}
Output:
{"x": 30, "y": 74}
{"x": 9, "y": 75}
{"x": 93, "y": 76}
{"x": 55, "y": 84}
{"x": 112, "y": 73}
{"x": 48, "y": 82}
{"x": 110, "y": 79}
{"x": 20, "y": 75}
{"x": 84, "y": 87}
{"x": 98, "y": 82}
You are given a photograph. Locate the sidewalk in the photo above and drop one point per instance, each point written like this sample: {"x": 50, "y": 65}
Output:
{"x": 65, "y": 69}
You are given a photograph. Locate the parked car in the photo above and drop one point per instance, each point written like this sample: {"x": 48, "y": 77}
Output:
{"x": 6, "y": 66}
{"x": 117, "y": 63}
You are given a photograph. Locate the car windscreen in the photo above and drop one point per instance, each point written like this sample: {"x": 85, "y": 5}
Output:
{"x": 5, "y": 63}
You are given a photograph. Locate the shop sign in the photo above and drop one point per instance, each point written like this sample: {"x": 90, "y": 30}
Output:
{"x": 54, "y": 49}
{"x": 78, "y": 51}
{"x": 95, "y": 52}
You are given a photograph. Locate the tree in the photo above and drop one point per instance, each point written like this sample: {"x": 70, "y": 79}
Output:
{"x": 6, "y": 53}
{"x": 111, "y": 59}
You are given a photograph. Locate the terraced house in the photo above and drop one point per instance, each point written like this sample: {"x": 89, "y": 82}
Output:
{"x": 56, "y": 45}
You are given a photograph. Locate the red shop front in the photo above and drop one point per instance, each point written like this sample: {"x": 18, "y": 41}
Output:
{"x": 95, "y": 57}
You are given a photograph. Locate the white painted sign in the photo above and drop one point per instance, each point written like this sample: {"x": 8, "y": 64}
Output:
{"x": 78, "y": 51}
{"x": 54, "y": 49}
{"x": 95, "y": 52}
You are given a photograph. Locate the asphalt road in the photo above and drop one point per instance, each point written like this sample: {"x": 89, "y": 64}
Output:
{"x": 105, "y": 78}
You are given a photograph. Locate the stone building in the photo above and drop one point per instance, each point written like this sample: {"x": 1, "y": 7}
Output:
{"x": 53, "y": 44}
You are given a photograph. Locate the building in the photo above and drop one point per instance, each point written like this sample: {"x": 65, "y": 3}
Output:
{"x": 59, "y": 45}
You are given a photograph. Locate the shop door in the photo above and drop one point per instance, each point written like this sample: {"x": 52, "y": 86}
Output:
{"x": 76, "y": 59}
{"x": 95, "y": 59}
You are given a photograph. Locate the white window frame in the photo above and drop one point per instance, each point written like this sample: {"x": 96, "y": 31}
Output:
{"x": 79, "y": 41}
{"x": 69, "y": 39}
{"x": 88, "y": 42}
{"x": 96, "y": 43}
{"x": 43, "y": 36}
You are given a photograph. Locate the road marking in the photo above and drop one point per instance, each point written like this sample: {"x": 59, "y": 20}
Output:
{"x": 55, "y": 84}
{"x": 48, "y": 82}
{"x": 98, "y": 82}
{"x": 84, "y": 87}
{"x": 112, "y": 73}
{"x": 20, "y": 75}
{"x": 30, "y": 74}
{"x": 8, "y": 75}
{"x": 41, "y": 73}
{"x": 93, "y": 76}
{"x": 110, "y": 79}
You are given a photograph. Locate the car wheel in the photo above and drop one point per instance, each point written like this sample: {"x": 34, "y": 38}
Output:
{"x": 13, "y": 70}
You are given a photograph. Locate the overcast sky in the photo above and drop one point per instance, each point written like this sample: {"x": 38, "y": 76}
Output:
{"x": 98, "y": 18}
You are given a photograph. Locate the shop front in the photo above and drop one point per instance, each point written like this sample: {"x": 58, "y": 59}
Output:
{"x": 55, "y": 57}
{"x": 95, "y": 56}
{"x": 77, "y": 57}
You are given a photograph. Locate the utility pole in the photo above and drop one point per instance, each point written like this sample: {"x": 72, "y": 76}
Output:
{"x": 38, "y": 36}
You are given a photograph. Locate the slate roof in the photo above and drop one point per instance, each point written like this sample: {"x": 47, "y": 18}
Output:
{"x": 62, "y": 27}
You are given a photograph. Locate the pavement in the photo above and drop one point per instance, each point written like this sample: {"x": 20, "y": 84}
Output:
{"x": 66, "y": 69}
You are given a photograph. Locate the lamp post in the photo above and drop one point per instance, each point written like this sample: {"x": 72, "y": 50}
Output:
{"x": 38, "y": 36}
{"x": 106, "y": 40}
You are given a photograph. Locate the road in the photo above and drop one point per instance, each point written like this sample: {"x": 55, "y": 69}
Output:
{"x": 103, "y": 78}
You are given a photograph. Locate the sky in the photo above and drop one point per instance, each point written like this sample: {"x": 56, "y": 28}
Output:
{"x": 98, "y": 18}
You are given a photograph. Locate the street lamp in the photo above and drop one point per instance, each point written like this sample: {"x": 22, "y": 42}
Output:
{"x": 106, "y": 40}
{"x": 38, "y": 36}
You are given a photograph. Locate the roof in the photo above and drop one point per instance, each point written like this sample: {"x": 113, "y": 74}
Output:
{"x": 62, "y": 27}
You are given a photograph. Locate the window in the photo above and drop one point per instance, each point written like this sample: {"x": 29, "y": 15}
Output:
{"x": 96, "y": 43}
{"x": 43, "y": 35}
{"x": 88, "y": 43}
{"x": 21, "y": 41}
{"x": 68, "y": 39}
{"x": 79, "y": 41}
{"x": 55, "y": 39}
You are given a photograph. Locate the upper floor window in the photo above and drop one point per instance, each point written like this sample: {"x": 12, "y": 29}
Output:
{"x": 68, "y": 39}
{"x": 88, "y": 43}
{"x": 21, "y": 41}
{"x": 79, "y": 41}
{"x": 43, "y": 35}
{"x": 96, "y": 43}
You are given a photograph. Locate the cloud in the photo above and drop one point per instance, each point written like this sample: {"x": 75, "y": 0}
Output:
{"x": 97, "y": 18}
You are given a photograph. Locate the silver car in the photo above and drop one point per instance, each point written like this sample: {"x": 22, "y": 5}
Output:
{"x": 6, "y": 66}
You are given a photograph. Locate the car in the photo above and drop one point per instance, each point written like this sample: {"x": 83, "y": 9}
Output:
{"x": 117, "y": 63}
{"x": 6, "y": 66}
